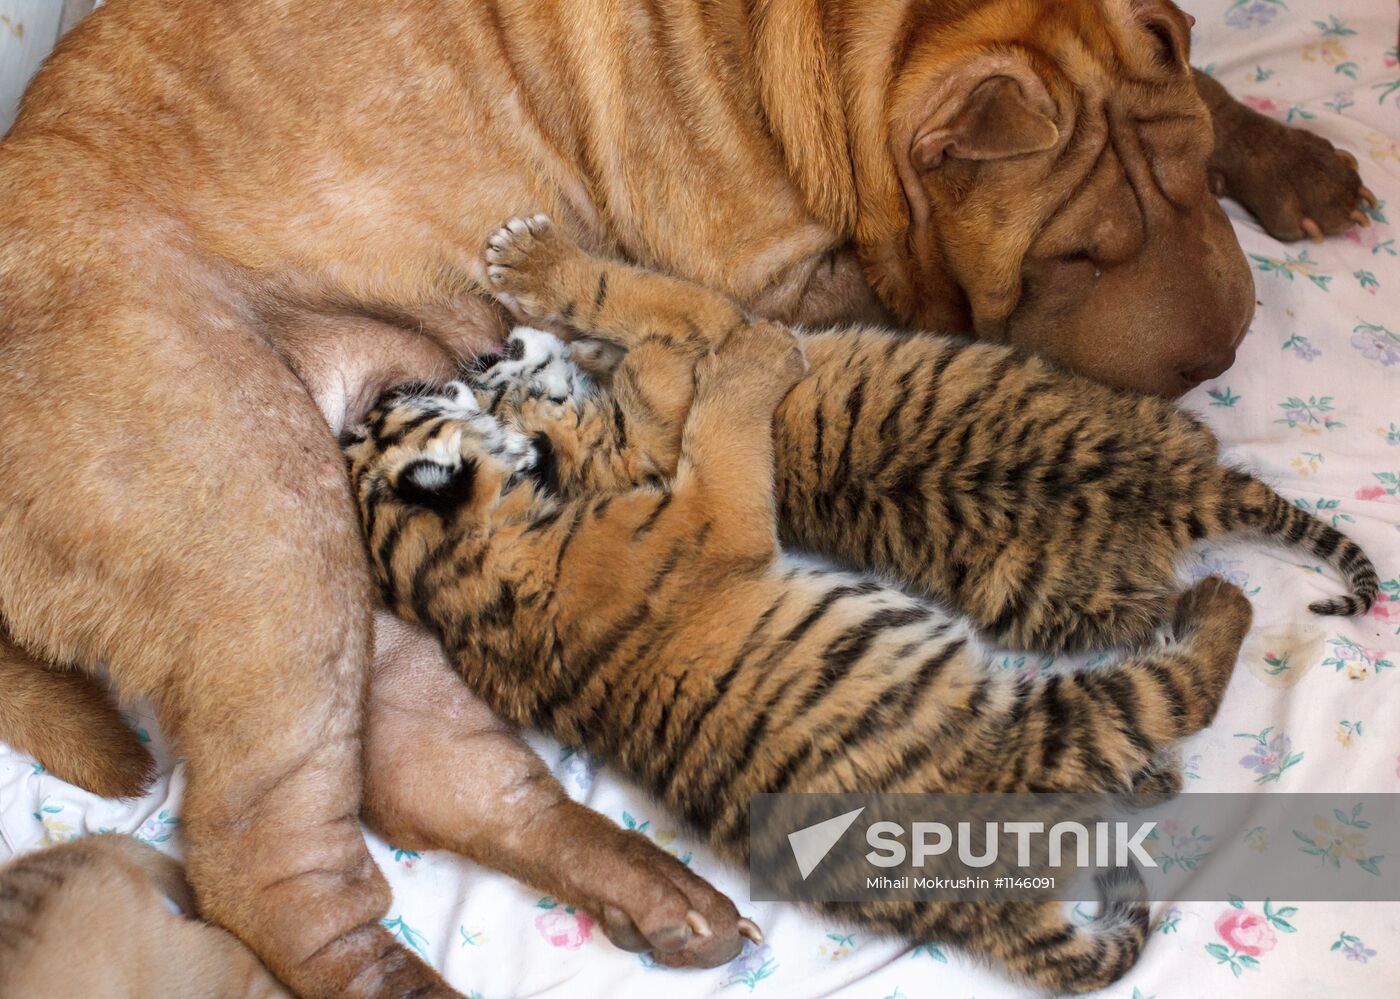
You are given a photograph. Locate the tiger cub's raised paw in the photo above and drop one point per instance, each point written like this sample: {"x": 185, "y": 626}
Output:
{"x": 764, "y": 360}
{"x": 527, "y": 265}
{"x": 769, "y": 347}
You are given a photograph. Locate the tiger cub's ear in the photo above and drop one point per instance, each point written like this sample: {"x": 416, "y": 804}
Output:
{"x": 435, "y": 486}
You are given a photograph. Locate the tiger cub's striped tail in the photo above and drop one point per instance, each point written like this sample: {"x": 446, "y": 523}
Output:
{"x": 1264, "y": 511}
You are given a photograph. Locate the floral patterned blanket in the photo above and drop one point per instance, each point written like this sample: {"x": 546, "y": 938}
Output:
{"x": 1313, "y": 403}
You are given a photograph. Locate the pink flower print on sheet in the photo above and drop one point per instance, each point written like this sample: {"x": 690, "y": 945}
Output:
{"x": 561, "y": 926}
{"x": 1247, "y": 935}
{"x": 1387, "y": 488}
{"x": 1387, "y": 606}
{"x": 1246, "y": 932}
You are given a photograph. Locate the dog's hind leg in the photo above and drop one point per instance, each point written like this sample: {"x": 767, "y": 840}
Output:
{"x": 66, "y": 721}
{"x": 443, "y": 772}
{"x": 173, "y": 505}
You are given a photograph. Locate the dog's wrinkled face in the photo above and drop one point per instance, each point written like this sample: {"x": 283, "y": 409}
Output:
{"x": 1053, "y": 165}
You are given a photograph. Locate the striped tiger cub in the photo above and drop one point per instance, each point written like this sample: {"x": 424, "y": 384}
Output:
{"x": 633, "y": 597}
{"x": 1048, "y": 508}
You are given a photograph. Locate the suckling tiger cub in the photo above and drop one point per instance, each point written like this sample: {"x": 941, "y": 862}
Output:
{"x": 1047, "y": 507}
{"x": 660, "y": 625}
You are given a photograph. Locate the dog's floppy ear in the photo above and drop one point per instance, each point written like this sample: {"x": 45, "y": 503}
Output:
{"x": 994, "y": 120}
{"x": 1169, "y": 28}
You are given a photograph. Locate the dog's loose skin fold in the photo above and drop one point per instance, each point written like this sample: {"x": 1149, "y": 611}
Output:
{"x": 223, "y": 224}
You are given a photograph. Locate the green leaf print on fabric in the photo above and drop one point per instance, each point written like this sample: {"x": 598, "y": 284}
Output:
{"x": 411, "y": 937}
{"x": 1313, "y": 414}
{"x": 1340, "y": 838}
{"x": 1325, "y": 510}
{"x": 1334, "y": 27}
{"x": 1358, "y": 662}
{"x": 1291, "y": 266}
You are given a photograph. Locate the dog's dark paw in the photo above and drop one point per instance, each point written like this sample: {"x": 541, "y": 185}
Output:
{"x": 1297, "y": 184}
{"x": 661, "y": 906}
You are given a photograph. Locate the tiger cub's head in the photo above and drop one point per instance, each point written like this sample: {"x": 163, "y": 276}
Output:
{"x": 532, "y": 364}
{"x": 436, "y": 447}
{"x": 442, "y": 447}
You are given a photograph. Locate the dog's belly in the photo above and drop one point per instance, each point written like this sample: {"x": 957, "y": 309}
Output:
{"x": 360, "y": 156}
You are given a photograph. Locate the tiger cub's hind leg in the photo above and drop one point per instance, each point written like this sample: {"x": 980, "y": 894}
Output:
{"x": 1112, "y": 729}
{"x": 1037, "y": 941}
{"x": 1212, "y": 618}
{"x": 1154, "y": 699}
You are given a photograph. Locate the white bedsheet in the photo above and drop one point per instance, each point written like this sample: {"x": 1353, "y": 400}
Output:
{"x": 1313, "y": 403}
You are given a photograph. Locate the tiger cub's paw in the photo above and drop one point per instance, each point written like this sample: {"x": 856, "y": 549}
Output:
{"x": 1212, "y": 602}
{"x": 527, "y": 266}
{"x": 762, "y": 354}
{"x": 1160, "y": 780}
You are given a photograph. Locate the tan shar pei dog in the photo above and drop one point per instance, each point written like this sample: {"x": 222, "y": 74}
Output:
{"x": 225, "y": 222}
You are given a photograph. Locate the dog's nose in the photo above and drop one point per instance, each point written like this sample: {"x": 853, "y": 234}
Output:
{"x": 1213, "y": 368}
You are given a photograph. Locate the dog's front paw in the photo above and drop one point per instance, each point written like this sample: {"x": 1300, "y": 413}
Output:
{"x": 1296, "y": 183}
{"x": 525, "y": 263}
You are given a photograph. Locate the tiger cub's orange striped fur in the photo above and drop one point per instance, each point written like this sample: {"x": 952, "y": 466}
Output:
{"x": 611, "y": 573}
{"x": 1049, "y": 508}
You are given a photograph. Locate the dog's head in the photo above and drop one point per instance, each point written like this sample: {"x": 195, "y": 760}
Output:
{"x": 1043, "y": 182}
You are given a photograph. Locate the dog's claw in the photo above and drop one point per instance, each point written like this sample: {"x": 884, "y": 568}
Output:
{"x": 749, "y": 930}
{"x": 1361, "y": 219}
{"x": 1369, "y": 196}
{"x": 1313, "y": 230}
{"x": 699, "y": 925}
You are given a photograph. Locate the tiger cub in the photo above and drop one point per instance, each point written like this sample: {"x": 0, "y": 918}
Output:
{"x": 660, "y": 625}
{"x": 1048, "y": 508}
{"x": 97, "y": 917}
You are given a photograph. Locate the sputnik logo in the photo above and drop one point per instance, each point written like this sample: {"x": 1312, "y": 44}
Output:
{"x": 811, "y": 844}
